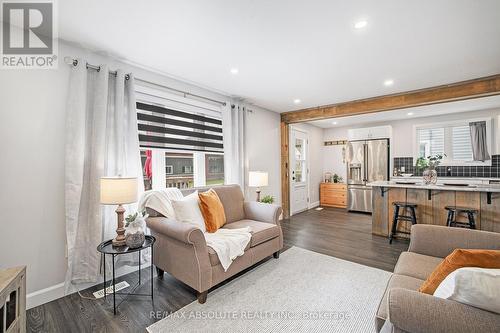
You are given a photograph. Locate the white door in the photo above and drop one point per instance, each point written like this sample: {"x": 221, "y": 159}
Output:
{"x": 299, "y": 171}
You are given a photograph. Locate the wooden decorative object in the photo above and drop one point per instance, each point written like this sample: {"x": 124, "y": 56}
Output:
{"x": 333, "y": 195}
{"x": 119, "y": 240}
{"x": 481, "y": 87}
{"x": 13, "y": 300}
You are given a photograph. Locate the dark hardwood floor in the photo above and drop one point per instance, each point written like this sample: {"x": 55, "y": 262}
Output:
{"x": 329, "y": 231}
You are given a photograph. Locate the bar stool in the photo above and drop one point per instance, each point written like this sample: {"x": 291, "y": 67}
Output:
{"x": 409, "y": 218}
{"x": 453, "y": 211}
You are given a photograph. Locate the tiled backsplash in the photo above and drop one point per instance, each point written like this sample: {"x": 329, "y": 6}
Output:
{"x": 492, "y": 171}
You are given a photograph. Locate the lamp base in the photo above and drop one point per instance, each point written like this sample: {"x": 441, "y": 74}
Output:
{"x": 119, "y": 240}
{"x": 258, "y": 195}
{"x": 118, "y": 243}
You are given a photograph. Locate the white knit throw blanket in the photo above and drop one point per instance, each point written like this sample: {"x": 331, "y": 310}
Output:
{"x": 228, "y": 244}
{"x": 160, "y": 200}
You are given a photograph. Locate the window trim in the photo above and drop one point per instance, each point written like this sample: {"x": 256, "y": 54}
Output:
{"x": 448, "y": 148}
{"x": 171, "y": 169}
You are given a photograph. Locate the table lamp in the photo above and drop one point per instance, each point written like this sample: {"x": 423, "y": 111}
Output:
{"x": 257, "y": 179}
{"x": 119, "y": 191}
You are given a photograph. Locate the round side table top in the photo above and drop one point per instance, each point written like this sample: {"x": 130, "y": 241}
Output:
{"x": 108, "y": 248}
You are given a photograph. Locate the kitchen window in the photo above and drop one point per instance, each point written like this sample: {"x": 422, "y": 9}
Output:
{"x": 452, "y": 139}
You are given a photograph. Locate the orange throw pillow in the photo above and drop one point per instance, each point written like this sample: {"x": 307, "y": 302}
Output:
{"x": 458, "y": 259}
{"x": 212, "y": 210}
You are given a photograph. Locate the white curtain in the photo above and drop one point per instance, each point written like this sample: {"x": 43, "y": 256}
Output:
{"x": 101, "y": 140}
{"x": 234, "y": 131}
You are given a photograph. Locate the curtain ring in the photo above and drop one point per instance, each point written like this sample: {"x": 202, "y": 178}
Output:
{"x": 75, "y": 62}
{"x": 99, "y": 69}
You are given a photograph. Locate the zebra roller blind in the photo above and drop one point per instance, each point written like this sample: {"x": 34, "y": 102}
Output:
{"x": 166, "y": 128}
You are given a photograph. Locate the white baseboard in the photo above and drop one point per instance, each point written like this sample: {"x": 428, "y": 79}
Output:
{"x": 43, "y": 296}
{"x": 313, "y": 204}
{"x": 54, "y": 292}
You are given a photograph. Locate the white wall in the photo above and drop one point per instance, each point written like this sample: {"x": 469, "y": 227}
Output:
{"x": 315, "y": 150}
{"x": 332, "y": 155}
{"x": 263, "y": 150}
{"x": 32, "y": 141}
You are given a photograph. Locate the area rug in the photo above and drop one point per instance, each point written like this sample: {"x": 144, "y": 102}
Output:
{"x": 302, "y": 291}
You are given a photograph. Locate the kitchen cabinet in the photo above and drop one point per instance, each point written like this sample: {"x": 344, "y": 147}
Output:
{"x": 368, "y": 133}
{"x": 333, "y": 195}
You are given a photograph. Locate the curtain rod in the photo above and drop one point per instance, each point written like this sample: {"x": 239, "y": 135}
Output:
{"x": 74, "y": 62}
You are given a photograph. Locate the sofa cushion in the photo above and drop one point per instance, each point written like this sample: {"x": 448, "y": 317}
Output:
{"x": 261, "y": 231}
{"x": 212, "y": 210}
{"x": 458, "y": 259}
{"x": 396, "y": 281}
{"x": 416, "y": 265}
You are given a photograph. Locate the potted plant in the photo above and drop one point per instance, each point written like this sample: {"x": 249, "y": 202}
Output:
{"x": 429, "y": 164}
{"x": 269, "y": 199}
{"x": 337, "y": 178}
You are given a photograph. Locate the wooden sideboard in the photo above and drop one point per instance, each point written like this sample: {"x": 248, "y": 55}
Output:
{"x": 13, "y": 300}
{"x": 333, "y": 195}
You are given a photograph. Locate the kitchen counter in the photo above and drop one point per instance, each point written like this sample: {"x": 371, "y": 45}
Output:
{"x": 493, "y": 188}
{"x": 431, "y": 201}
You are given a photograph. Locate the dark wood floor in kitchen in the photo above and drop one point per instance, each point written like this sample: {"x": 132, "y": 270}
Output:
{"x": 330, "y": 231}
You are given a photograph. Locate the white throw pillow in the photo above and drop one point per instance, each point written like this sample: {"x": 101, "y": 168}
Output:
{"x": 187, "y": 210}
{"x": 478, "y": 287}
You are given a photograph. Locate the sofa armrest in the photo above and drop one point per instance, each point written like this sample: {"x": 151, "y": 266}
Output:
{"x": 439, "y": 241}
{"x": 415, "y": 312}
{"x": 183, "y": 232}
{"x": 262, "y": 212}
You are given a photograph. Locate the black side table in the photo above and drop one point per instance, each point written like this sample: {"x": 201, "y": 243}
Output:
{"x": 108, "y": 248}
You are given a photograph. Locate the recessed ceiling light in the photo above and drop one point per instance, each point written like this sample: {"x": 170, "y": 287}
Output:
{"x": 410, "y": 113}
{"x": 335, "y": 123}
{"x": 388, "y": 82}
{"x": 296, "y": 101}
{"x": 360, "y": 24}
{"x": 234, "y": 70}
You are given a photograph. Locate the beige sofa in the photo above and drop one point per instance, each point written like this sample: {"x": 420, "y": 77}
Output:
{"x": 404, "y": 309}
{"x": 181, "y": 250}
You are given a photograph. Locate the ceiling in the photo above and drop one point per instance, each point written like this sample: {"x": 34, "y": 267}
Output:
{"x": 290, "y": 49}
{"x": 492, "y": 102}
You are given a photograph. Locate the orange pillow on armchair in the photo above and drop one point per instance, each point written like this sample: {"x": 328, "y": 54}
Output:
{"x": 212, "y": 210}
{"x": 458, "y": 259}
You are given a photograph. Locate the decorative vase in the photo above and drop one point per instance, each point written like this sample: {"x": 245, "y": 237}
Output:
{"x": 134, "y": 233}
{"x": 430, "y": 176}
{"x": 134, "y": 240}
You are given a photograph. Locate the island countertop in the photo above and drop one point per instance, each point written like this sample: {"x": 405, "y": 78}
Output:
{"x": 492, "y": 188}
{"x": 431, "y": 202}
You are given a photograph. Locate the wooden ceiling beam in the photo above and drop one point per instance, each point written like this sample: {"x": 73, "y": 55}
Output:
{"x": 481, "y": 87}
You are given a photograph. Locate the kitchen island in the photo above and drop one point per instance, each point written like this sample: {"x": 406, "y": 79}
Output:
{"x": 431, "y": 201}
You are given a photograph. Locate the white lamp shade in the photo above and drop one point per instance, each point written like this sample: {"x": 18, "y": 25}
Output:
{"x": 257, "y": 179}
{"x": 118, "y": 190}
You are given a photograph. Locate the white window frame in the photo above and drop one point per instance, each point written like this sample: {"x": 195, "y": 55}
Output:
{"x": 171, "y": 172}
{"x": 448, "y": 144}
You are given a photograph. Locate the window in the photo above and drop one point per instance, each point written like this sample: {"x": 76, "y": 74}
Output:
{"x": 182, "y": 170}
{"x": 461, "y": 143}
{"x": 430, "y": 141}
{"x": 214, "y": 169}
{"x": 185, "y": 138}
{"x": 452, "y": 139}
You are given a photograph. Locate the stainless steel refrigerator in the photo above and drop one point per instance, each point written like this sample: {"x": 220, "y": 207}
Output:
{"x": 367, "y": 161}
